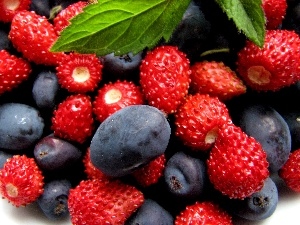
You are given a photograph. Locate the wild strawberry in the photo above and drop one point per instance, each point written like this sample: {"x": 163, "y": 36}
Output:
{"x": 96, "y": 202}
{"x": 203, "y": 213}
{"x": 79, "y": 73}
{"x": 150, "y": 173}
{"x": 114, "y": 96}
{"x": 165, "y": 77}
{"x": 62, "y": 19}
{"x": 274, "y": 66}
{"x": 8, "y": 9}
{"x": 21, "y": 181}
{"x": 275, "y": 11}
{"x": 290, "y": 172}
{"x": 33, "y": 35}
{"x": 216, "y": 79}
{"x": 73, "y": 118}
{"x": 13, "y": 71}
{"x": 198, "y": 119}
{"x": 237, "y": 164}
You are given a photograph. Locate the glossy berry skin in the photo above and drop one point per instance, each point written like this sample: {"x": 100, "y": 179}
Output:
{"x": 258, "y": 206}
{"x": 165, "y": 77}
{"x": 54, "y": 200}
{"x": 270, "y": 130}
{"x": 54, "y": 154}
{"x": 8, "y": 9}
{"x": 21, "y": 126}
{"x": 185, "y": 176}
{"x": 151, "y": 213}
{"x": 275, "y": 11}
{"x": 129, "y": 138}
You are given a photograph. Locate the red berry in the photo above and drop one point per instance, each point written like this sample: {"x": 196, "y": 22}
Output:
{"x": 8, "y": 9}
{"x": 114, "y": 96}
{"x": 198, "y": 119}
{"x": 237, "y": 164}
{"x": 13, "y": 71}
{"x": 73, "y": 118}
{"x": 79, "y": 73}
{"x": 275, "y": 11}
{"x": 165, "y": 77}
{"x": 96, "y": 202}
{"x": 21, "y": 181}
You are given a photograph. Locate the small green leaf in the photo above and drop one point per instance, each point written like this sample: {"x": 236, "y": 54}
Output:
{"x": 248, "y": 15}
{"x": 121, "y": 26}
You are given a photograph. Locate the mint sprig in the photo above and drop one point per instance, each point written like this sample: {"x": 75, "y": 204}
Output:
{"x": 123, "y": 26}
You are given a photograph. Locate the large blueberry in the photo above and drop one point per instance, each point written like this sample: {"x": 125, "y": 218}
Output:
{"x": 3, "y": 157}
{"x": 20, "y": 126}
{"x": 129, "y": 138}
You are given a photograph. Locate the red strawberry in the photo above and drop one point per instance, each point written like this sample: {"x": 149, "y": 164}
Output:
{"x": 8, "y": 9}
{"x": 73, "y": 119}
{"x": 274, "y": 66}
{"x": 79, "y": 73}
{"x": 96, "y": 202}
{"x": 275, "y": 11}
{"x": 33, "y": 35}
{"x": 216, "y": 79}
{"x": 149, "y": 174}
{"x": 198, "y": 119}
{"x": 237, "y": 164}
{"x": 62, "y": 19}
{"x": 114, "y": 96}
{"x": 165, "y": 77}
{"x": 290, "y": 172}
{"x": 203, "y": 213}
{"x": 21, "y": 181}
{"x": 13, "y": 71}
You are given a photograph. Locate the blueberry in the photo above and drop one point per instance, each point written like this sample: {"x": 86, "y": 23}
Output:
{"x": 129, "y": 138}
{"x": 185, "y": 175}
{"x": 41, "y": 7}
{"x": 21, "y": 126}
{"x": 269, "y": 128}
{"x": 151, "y": 213}
{"x": 54, "y": 200}
{"x": 259, "y": 205}
{"x": 53, "y": 154}
{"x": 3, "y": 157}
{"x": 45, "y": 89}
{"x": 5, "y": 43}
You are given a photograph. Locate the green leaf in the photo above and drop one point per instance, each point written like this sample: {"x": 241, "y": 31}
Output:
{"x": 121, "y": 26}
{"x": 248, "y": 15}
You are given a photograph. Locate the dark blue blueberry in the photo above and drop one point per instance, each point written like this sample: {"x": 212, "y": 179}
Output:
{"x": 52, "y": 154}
{"x": 5, "y": 43}
{"x": 151, "y": 213}
{"x": 62, "y": 3}
{"x": 129, "y": 138}
{"x": 269, "y": 128}
{"x": 45, "y": 89}
{"x": 41, "y": 7}
{"x": 54, "y": 200}
{"x": 3, "y": 157}
{"x": 21, "y": 126}
{"x": 185, "y": 176}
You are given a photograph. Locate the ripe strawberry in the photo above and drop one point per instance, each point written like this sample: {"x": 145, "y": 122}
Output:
{"x": 33, "y": 35}
{"x": 203, "y": 213}
{"x": 8, "y": 9}
{"x": 96, "y": 202}
{"x": 274, "y": 66}
{"x": 165, "y": 77}
{"x": 13, "y": 71}
{"x": 237, "y": 164}
{"x": 114, "y": 96}
{"x": 73, "y": 118}
{"x": 198, "y": 119}
{"x": 79, "y": 73}
{"x": 275, "y": 11}
{"x": 62, "y": 19}
{"x": 21, "y": 181}
{"x": 149, "y": 174}
{"x": 290, "y": 172}
{"x": 216, "y": 79}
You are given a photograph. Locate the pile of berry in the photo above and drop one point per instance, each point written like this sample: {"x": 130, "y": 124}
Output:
{"x": 190, "y": 132}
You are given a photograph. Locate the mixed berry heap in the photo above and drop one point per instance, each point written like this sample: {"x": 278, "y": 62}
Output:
{"x": 196, "y": 130}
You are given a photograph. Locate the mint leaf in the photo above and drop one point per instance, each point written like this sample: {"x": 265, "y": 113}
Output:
{"x": 248, "y": 16}
{"x": 121, "y": 26}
